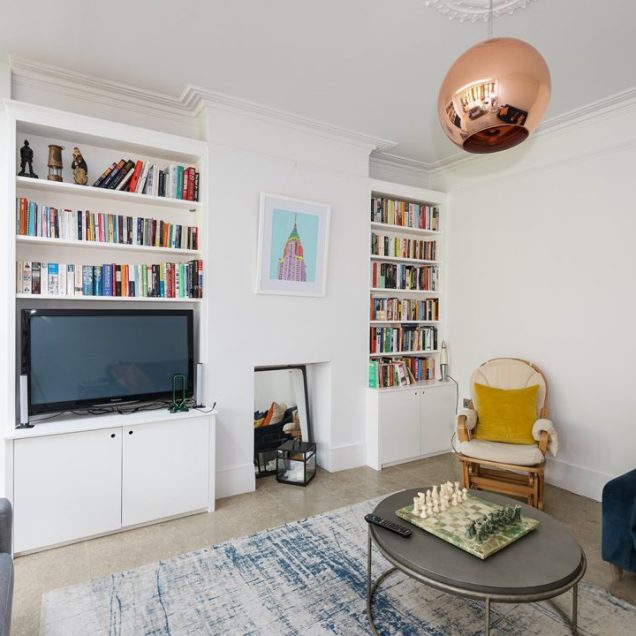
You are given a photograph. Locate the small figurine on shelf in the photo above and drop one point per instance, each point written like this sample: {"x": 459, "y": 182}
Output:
{"x": 26, "y": 159}
{"x": 79, "y": 167}
{"x": 55, "y": 163}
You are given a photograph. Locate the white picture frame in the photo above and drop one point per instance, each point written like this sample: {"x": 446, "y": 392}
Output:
{"x": 293, "y": 245}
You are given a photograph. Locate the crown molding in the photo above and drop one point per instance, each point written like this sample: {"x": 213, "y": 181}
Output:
{"x": 574, "y": 118}
{"x": 65, "y": 82}
{"x": 188, "y": 106}
{"x": 197, "y": 98}
{"x": 388, "y": 163}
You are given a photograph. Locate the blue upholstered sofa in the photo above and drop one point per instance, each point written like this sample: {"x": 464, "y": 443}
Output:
{"x": 6, "y": 566}
{"x": 619, "y": 522}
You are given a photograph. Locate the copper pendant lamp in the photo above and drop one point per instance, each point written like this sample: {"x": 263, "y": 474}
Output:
{"x": 494, "y": 95}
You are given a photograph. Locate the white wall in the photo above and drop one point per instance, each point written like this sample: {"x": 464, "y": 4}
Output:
{"x": 249, "y": 156}
{"x": 542, "y": 266}
{"x": 5, "y": 351}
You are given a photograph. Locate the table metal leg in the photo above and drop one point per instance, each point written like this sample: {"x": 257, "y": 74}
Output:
{"x": 487, "y": 617}
{"x": 369, "y": 549}
{"x": 575, "y": 608}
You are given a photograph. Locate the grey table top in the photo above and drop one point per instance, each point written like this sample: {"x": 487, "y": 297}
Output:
{"x": 546, "y": 559}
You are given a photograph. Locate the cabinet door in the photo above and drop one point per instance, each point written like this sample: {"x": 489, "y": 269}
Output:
{"x": 399, "y": 422}
{"x": 437, "y": 411}
{"x": 165, "y": 469}
{"x": 66, "y": 487}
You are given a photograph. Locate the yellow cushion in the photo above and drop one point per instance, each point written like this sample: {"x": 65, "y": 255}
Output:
{"x": 506, "y": 415}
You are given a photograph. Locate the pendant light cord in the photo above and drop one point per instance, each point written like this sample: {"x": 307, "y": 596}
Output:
{"x": 490, "y": 20}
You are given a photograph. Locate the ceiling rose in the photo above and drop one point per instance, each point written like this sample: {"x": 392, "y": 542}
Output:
{"x": 474, "y": 10}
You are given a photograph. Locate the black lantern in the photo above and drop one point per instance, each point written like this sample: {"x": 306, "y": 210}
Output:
{"x": 296, "y": 463}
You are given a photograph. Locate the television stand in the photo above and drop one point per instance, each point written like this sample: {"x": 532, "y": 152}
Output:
{"x": 94, "y": 475}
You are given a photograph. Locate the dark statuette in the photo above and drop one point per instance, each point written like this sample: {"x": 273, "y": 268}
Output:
{"x": 26, "y": 159}
{"x": 79, "y": 167}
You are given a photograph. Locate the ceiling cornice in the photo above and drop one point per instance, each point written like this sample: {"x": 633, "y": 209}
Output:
{"x": 413, "y": 167}
{"x": 87, "y": 88}
{"x": 573, "y": 118}
{"x": 188, "y": 106}
{"x": 197, "y": 98}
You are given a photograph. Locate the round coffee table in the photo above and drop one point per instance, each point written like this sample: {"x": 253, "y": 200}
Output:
{"x": 545, "y": 563}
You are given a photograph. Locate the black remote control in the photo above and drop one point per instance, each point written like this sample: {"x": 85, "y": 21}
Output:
{"x": 388, "y": 525}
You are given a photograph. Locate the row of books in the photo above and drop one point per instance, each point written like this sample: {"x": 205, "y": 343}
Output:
{"x": 401, "y": 276}
{"x": 174, "y": 181}
{"x": 399, "y": 247}
{"x": 404, "y": 309}
{"x": 397, "y": 339}
{"x": 404, "y": 213}
{"x": 33, "y": 219}
{"x": 163, "y": 280}
{"x": 395, "y": 372}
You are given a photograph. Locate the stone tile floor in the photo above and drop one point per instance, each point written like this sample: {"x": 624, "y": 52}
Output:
{"x": 270, "y": 505}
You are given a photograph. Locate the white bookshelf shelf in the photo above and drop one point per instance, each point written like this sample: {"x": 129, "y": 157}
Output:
{"x": 423, "y": 384}
{"x": 404, "y": 229}
{"x": 26, "y": 183}
{"x": 404, "y": 322}
{"x": 385, "y": 290}
{"x": 39, "y": 240}
{"x": 399, "y": 259}
{"x": 403, "y": 353}
{"x": 128, "y": 299}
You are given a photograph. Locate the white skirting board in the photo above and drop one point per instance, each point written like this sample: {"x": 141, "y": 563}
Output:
{"x": 235, "y": 480}
{"x": 347, "y": 456}
{"x": 577, "y": 479}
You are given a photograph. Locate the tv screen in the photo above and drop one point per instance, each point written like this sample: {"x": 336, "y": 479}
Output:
{"x": 84, "y": 358}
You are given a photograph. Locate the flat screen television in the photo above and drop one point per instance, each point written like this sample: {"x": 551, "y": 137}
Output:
{"x": 77, "y": 359}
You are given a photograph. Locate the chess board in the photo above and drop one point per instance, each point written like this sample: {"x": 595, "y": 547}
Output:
{"x": 450, "y": 526}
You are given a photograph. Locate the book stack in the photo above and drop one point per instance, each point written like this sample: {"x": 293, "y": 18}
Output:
{"x": 405, "y": 213}
{"x": 400, "y": 309}
{"x": 396, "y": 246}
{"x": 173, "y": 181}
{"x": 33, "y": 219}
{"x": 163, "y": 280}
{"x": 401, "y": 276}
{"x": 396, "y": 372}
{"x": 400, "y": 339}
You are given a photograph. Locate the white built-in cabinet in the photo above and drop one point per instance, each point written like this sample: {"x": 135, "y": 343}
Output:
{"x": 79, "y": 476}
{"x": 74, "y": 485}
{"x": 408, "y": 423}
{"x": 66, "y": 487}
{"x": 164, "y": 470}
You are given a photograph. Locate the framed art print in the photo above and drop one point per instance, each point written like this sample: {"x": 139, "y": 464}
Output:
{"x": 292, "y": 246}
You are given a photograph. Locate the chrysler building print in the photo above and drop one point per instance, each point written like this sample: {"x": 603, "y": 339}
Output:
{"x": 291, "y": 266}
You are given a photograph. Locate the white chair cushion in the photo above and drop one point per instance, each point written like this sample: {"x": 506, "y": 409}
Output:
{"x": 517, "y": 454}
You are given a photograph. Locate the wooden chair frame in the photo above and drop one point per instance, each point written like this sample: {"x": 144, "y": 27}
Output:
{"x": 508, "y": 479}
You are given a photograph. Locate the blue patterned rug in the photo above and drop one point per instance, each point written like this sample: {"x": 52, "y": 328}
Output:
{"x": 307, "y": 577}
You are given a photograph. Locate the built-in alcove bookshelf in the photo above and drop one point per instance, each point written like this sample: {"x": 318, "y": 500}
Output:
{"x": 92, "y": 474}
{"x": 405, "y": 321}
{"x": 409, "y": 411}
{"x": 114, "y": 243}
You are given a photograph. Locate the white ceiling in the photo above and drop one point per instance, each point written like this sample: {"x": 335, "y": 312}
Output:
{"x": 369, "y": 65}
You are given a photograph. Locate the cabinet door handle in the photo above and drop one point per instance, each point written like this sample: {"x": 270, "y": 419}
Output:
{"x": 130, "y": 432}
{"x": 112, "y": 435}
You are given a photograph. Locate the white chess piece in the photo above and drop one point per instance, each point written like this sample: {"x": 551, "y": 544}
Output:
{"x": 429, "y": 508}
{"x": 454, "y": 501}
{"x": 435, "y": 507}
{"x": 428, "y": 496}
{"x": 443, "y": 506}
{"x": 457, "y": 490}
{"x": 464, "y": 494}
{"x": 423, "y": 514}
{"x": 416, "y": 505}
